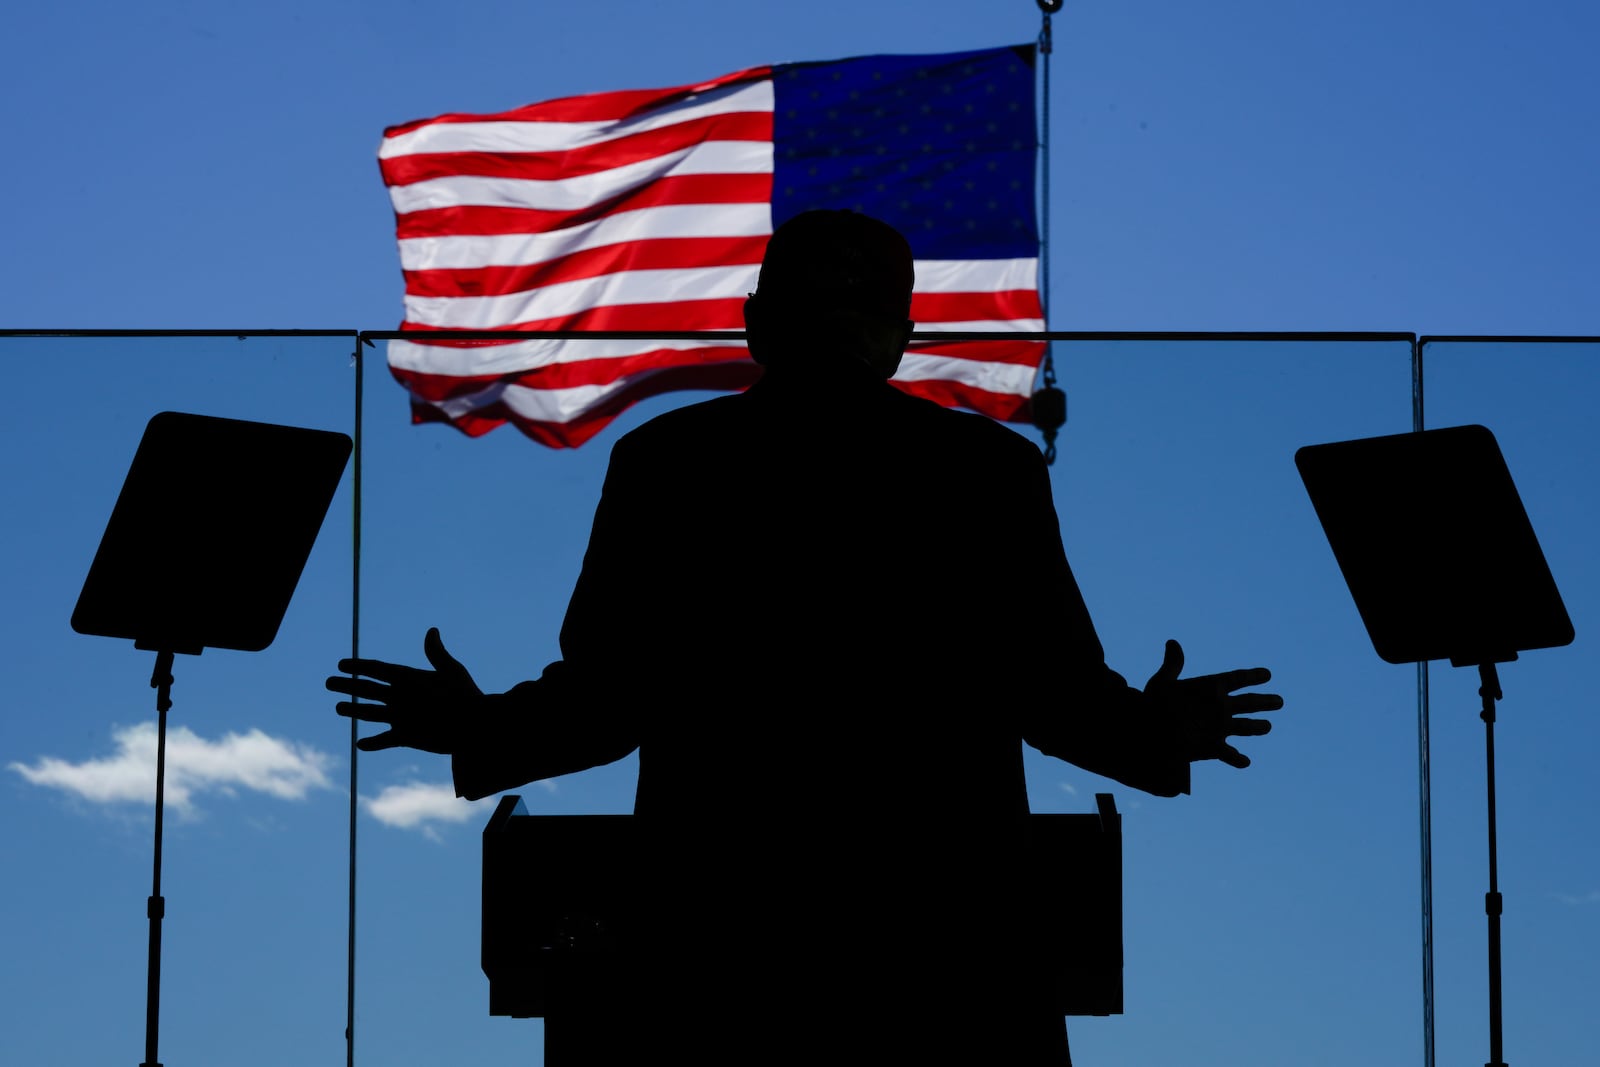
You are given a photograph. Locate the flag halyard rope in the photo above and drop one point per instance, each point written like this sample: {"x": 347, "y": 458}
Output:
{"x": 1049, "y": 402}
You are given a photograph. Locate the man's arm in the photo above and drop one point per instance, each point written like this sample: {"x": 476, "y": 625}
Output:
{"x": 1148, "y": 738}
{"x": 580, "y": 713}
{"x": 495, "y": 741}
{"x": 537, "y": 730}
{"x": 1088, "y": 715}
{"x": 1109, "y": 730}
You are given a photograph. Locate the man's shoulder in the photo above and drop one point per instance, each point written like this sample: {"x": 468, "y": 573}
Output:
{"x": 690, "y": 421}
{"x": 965, "y": 429}
{"x": 921, "y": 424}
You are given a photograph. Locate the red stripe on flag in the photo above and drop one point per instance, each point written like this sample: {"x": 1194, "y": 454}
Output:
{"x": 660, "y": 254}
{"x": 437, "y": 388}
{"x": 726, "y": 313}
{"x": 720, "y": 377}
{"x": 971, "y": 307}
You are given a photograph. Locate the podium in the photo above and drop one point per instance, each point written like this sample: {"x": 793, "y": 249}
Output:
{"x": 562, "y": 899}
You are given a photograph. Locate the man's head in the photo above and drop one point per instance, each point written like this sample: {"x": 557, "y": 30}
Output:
{"x": 832, "y": 283}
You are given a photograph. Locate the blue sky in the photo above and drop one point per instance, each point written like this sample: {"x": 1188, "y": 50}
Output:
{"x": 1244, "y": 166}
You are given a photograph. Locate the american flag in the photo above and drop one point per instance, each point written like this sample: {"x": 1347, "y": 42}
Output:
{"x": 649, "y": 210}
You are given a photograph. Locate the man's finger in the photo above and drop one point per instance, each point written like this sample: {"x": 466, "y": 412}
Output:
{"x": 1228, "y": 681}
{"x": 361, "y": 688}
{"x": 438, "y": 656}
{"x": 1171, "y": 665}
{"x": 377, "y": 668}
{"x": 378, "y": 742}
{"x": 1252, "y": 703}
{"x": 365, "y": 712}
{"x": 1233, "y": 757}
{"x": 1248, "y": 727}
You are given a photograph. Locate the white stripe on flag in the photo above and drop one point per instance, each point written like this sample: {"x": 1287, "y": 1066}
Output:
{"x": 538, "y": 405}
{"x": 570, "y": 298}
{"x": 522, "y": 356}
{"x": 659, "y": 287}
{"x": 526, "y": 249}
{"x": 1013, "y": 378}
{"x": 975, "y": 275}
{"x": 982, "y": 326}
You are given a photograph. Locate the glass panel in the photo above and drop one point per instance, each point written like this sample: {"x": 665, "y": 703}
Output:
{"x": 1538, "y": 400}
{"x": 1275, "y": 909}
{"x": 253, "y": 866}
{"x": 483, "y": 538}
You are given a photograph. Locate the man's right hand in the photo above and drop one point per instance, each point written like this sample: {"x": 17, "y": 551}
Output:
{"x": 424, "y": 709}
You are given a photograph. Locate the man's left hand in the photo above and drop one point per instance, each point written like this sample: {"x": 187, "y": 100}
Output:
{"x": 1206, "y": 709}
{"x": 424, "y": 709}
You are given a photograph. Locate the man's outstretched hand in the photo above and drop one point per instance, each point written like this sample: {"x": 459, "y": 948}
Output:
{"x": 1206, "y": 709}
{"x": 424, "y": 709}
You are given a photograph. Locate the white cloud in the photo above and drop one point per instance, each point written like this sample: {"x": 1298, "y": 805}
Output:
{"x": 1591, "y": 897}
{"x": 1069, "y": 789}
{"x": 417, "y": 804}
{"x": 253, "y": 760}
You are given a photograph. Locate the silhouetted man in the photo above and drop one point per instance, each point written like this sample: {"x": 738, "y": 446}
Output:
{"x": 827, "y": 614}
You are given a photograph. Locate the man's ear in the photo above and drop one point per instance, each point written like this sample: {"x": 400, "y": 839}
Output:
{"x": 902, "y": 341}
{"x": 755, "y": 334}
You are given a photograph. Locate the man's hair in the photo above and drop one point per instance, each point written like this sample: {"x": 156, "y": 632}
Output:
{"x": 837, "y": 260}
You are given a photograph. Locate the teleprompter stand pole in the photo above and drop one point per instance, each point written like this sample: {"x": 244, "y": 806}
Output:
{"x": 1489, "y": 690}
{"x": 156, "y": 906}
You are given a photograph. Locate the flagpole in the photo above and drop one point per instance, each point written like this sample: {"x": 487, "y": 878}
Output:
{"x": 1049, "y": 403}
